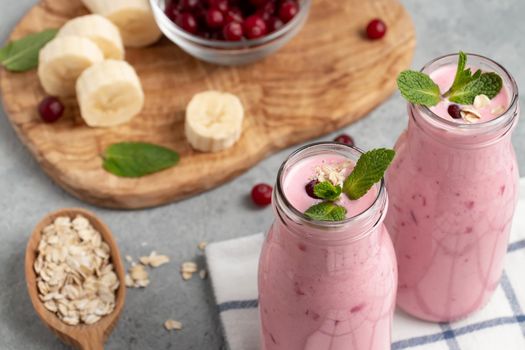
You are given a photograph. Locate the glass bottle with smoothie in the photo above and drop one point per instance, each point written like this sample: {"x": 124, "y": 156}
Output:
{"x": 453, "y": 188}
{"x": 327, "y": 275}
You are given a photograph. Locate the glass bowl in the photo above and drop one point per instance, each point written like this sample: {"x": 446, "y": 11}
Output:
{"x": 229, "y": 53}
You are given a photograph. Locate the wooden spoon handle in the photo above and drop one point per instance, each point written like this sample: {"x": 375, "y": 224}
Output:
{"x": 91, "y": 343}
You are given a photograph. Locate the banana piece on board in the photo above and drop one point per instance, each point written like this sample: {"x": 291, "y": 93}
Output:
{"x": 99, "y": 29}
{"x": 62, "y": 61}
{"x": 213, "y": 121}
{"x": 109, "y": 93}
{"x": 134, "y": 19}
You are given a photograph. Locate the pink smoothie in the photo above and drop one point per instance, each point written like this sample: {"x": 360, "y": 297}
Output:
{"x": 324, "y": 287}
{"x": 316, "y": 167}
{"x": 452, "y": 198}
{"x": 444, "y": 77}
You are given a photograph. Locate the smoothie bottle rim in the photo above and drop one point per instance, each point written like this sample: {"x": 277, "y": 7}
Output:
{"x": 282, "y": 202}
{"x": 505, "y": 119}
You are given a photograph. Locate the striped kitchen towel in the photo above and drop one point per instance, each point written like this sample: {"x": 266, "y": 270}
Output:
{"x": 500, "y": 325}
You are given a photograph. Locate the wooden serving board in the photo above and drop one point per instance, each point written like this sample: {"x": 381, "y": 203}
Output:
{"x": 327, "y": 77}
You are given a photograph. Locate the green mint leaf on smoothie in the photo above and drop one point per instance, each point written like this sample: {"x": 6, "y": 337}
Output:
{"x": 418, "y": 88}
{"x": 136, "y": 159}
{"x": 326, "y": 211}
{"x": 467, "y": 86}
{"x": 22, "y": 55}
{"x": 326, "y": 190}
{"x": 488, "y": 84}
{"x": 369, "y": 169}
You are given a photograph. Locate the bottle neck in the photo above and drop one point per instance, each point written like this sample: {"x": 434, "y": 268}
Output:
{"x": 346, "y": 231}
{"x": 466, "y": 136}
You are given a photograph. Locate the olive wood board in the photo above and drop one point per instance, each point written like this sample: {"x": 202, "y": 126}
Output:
{"x": 327, "y": 77}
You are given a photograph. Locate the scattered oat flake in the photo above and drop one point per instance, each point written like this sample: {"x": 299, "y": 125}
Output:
{"x": 189, "y": 266}
{"x": 202, "y": 245}
{"x": 129, "y": 259}
{"x": 158, "y": 260}
{"x": 203, "y": 274}
{"x": 481, "y": 101}
{"x": 186, "y": 275}
{"x": 497, "y": 110}
{"x": 172, "y": 325}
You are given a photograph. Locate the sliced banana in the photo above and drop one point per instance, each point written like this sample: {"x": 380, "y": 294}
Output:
{"x": 62, "y": 60}
{"x": 213, "y": 121}
{"x": 134, "y": 18}
{"x": 109, "y": 93}
{"x": 99, "y": 29}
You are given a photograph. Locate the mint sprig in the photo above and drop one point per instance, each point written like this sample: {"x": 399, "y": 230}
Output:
{"x": 326, "y": 211}
{"x": 418, "y": 88}
{"x": 326, "y": 190}
{"x": 370, "y": 168}
{"x": 467, "y": 86}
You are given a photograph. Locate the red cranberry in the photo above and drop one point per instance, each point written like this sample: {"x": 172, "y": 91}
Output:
{"x": 189, "y": 5}
{"x": 346, "y": 139}
{"x": 288, "y": 11}
{"x": 188, "y": 22}
{"x": 214, "y": 18}
{"x": 274, "y": 23}
{"x": 50, "y": 109}
{"x": 172, "y": 11}
{"x": 454, "y": 111}
{"x": 375, "y": 29}
{"x": 254, "y": 27}
{"x": 267, "y": 10}
{"x": 222, "y": 5}
{"x": 232, "y": 31}
{"x": 262, "y": 194}
{"x": 309, "y": 188}
{"x": 234, "y": 15}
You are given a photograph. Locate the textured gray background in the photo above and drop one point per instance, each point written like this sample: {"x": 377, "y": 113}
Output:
{"x": 491, "y": 27}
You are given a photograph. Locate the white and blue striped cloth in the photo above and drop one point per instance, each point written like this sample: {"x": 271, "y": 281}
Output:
{"x": 499, "y": 326}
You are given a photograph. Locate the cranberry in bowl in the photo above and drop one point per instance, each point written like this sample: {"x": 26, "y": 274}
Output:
{"x": 230, "y": 32}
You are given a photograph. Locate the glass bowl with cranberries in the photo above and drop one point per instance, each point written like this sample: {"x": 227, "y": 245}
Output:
{"x": 230, "y": 32}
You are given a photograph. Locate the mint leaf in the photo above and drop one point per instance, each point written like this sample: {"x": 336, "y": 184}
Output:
{"x": 326, "y": 190}
{"x": 488, "y": 84}
{"x": 463, "y": 76}
{"x": 136, "y": 159}
{"x": 326, "y": 211}
{"x": 22, "y": 55}
{"x": 467, "y": 86}
{"x": 369, "y": 169}
{"x": 418, "y": 88}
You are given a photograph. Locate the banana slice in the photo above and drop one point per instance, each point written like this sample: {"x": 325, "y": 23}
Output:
{"x": 99, "y": 29}
{"x": 109, "y": 93}
{"x": 213, "y": 121}
{"x": 62, "y": 60}
{"x": 134, "y": 18}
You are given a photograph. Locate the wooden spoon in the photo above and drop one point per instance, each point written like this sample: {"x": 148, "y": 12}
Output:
{"x": 82, "y": 336}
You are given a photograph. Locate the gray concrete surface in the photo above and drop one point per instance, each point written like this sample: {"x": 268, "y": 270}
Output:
{"x": 491, "y": 27}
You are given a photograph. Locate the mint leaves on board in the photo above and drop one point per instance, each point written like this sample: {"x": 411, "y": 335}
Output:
{"x": 326, "y": 190}
{"x": 418, "y": 88}
{"x": 369, "y": 169}
{"x": 326, "y": 211}
{"x": 467, "y": 86}
{"x": 136, "y": 159}
{"x": 22, "y": 54}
